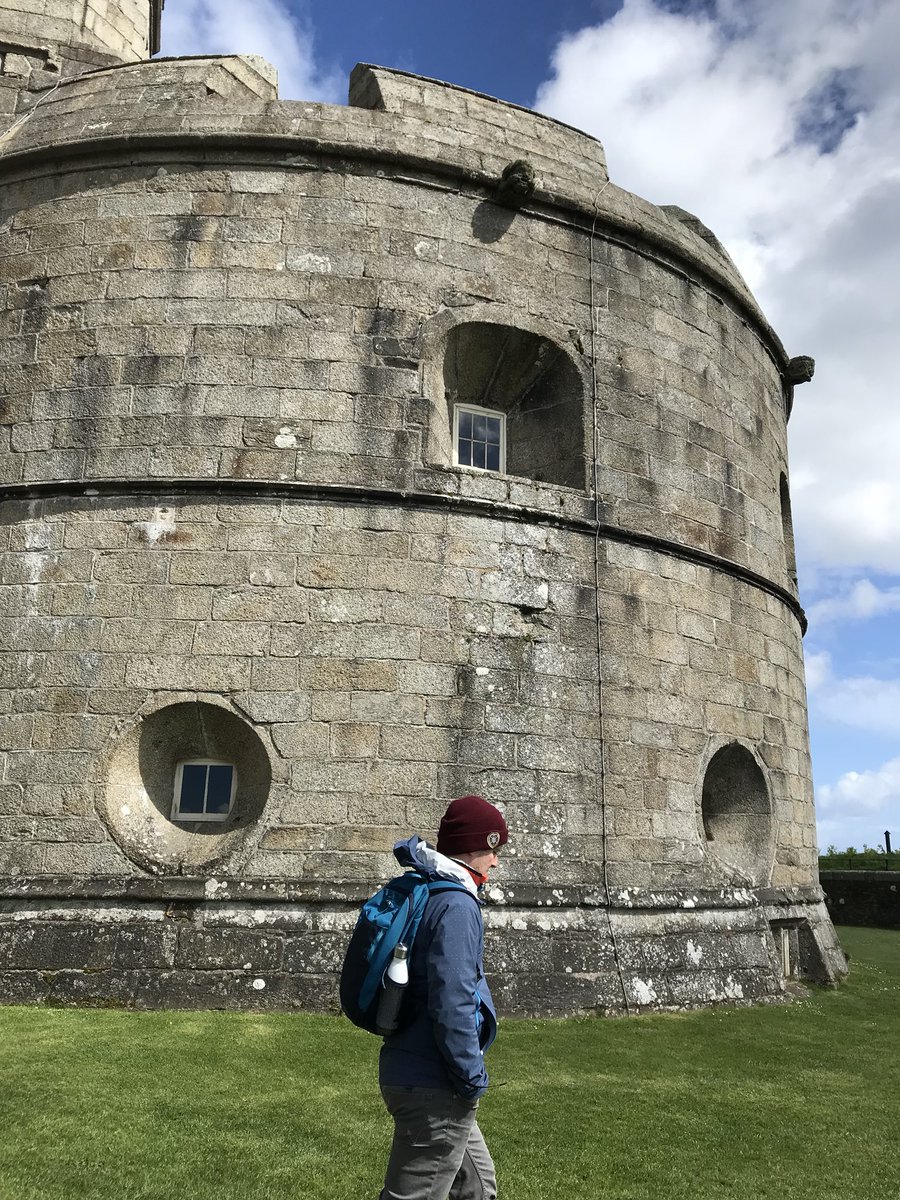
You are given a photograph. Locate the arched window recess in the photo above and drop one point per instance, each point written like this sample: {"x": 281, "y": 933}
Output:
{"x": 514, "y": 404}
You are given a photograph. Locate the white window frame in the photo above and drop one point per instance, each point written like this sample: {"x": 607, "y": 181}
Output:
{"x": 479, "y": 411}
{"x": 177, "y": 814}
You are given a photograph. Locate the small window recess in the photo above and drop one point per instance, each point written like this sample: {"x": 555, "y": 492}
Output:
{"x": 479, "y": 438}
{"x": 787, "y": 527}
{"x": 786, "y": 936}
{"x": 787, "y": 963}
{"x": 204, "y": 790}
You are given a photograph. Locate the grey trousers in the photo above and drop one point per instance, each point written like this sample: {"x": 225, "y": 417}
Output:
{"x": 438, "y": 1150}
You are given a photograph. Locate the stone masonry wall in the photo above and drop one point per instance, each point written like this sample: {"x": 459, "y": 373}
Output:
{"x": 261, "y": 951}
{"x": 863, "y": 897}
{"x": 56, "y": 35}
{"x": 252, "y": 322}
{"x": 391, "y": 659}
{"x": 230, "y": 522}
{"x": 255, "y": 344}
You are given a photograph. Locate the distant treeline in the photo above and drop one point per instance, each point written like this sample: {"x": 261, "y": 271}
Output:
{"x": 851, "y": 859}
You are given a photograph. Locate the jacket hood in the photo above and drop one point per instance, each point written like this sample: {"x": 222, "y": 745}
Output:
{"x": 415, "y": 852}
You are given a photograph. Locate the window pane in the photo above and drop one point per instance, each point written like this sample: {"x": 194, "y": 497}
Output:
{"x": 193, "y": 785}
{"x": 218, "y": 790}
{"x": 479, "y": 439}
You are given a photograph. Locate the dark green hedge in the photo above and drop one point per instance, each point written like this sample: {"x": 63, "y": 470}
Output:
{"x": 859, "y": 860}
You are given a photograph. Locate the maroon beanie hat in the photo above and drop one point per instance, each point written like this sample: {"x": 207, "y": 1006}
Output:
{"x": 471, "y": 824}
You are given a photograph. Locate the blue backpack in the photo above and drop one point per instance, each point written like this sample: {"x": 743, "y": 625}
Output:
{"x": 392, "y": 915}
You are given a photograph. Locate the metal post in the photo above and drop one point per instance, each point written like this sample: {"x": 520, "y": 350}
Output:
{"x": 887, "y": 841}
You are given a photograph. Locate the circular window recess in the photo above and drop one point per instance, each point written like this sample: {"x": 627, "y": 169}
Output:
{"x": 147, "y": 807}
{"x": 737, "y": 814}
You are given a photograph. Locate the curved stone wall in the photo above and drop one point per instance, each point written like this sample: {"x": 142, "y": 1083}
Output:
{"x": 231, "y": 362}
{"x": 263, "y": 323}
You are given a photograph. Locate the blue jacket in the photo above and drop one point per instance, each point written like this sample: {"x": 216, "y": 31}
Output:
{"x": 448, "y": 1003}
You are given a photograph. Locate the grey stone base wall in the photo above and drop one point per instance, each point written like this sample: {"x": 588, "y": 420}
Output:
{"x": 863, "y": 897}
{"x": 221, "y": 944}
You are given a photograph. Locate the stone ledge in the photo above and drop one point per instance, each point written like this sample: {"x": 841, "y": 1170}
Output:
{"x": 178, "y": 889}
{"x": 809, "y": 894}
{"x": 227, "y": 890}
{"x": 577, "y": 518}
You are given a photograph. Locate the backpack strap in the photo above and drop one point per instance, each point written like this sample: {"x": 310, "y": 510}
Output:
{"x": 400, "y": 928}
{"x": 396, "y": 924}
{"x": 450, "y": 885}
{"x": 436, "y": 887}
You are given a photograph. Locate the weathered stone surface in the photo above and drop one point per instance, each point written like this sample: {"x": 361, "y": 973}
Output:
{"x": 55, "y": 35}
{"x": 222, "y": 953}
{"x": 863, "y": 897}
{"x": 230, "y": 491}
{"x": 35, "y": 946}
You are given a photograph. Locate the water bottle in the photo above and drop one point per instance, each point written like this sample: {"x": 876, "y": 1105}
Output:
{"x": 396, "y": 979}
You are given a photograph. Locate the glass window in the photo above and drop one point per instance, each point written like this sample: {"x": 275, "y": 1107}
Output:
{"x": 204, "y": 790}
{"x": 479, "y": 438}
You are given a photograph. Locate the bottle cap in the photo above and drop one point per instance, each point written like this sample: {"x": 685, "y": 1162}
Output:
{"x": 400, "y": 951}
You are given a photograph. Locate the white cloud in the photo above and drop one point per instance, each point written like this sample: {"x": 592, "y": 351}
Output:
{"x": 855, "y": 827}
{"x": 856, "y": 701}
{"x": 818, "y": 670}
{"x": 265, "y": 27}
{"x": 873, "y": 791}
{"x": 855, "y": 810}
{"x": 863, "y": 702}
{"x": 777, "y": 124}
{"x": 857, "y": 601}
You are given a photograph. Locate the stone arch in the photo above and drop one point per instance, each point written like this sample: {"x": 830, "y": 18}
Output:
{"x": 736, "y": 814}
{"x": 489, "y": 356}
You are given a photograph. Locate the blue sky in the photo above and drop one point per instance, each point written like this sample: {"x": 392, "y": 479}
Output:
{"x": 499, "y": 46}
{"x": 778, "y": 123}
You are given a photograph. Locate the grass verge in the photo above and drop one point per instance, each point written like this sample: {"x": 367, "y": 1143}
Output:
{"x": 795, "y": 1102}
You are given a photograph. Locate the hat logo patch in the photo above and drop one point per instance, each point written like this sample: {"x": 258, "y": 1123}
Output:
{"x": 493, "y": 840}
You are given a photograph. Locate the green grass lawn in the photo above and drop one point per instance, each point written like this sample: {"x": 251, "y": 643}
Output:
{"x": 794, "y": 1102}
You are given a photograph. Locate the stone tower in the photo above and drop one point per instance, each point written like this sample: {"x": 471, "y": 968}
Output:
{"x": 354, "y": 458}
{"x": 62, "y": 37}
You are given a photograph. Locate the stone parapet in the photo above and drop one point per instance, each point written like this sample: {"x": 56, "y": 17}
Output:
{"x": 566, "y": 161}
{"x": 60, "y": 37}
{"x": 136, "y": 105}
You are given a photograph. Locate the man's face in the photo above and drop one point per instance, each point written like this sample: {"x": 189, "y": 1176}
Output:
{"x": 482, "y": 861}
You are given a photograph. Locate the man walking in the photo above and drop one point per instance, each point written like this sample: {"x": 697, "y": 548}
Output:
{"x": 432, "y": 1071}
